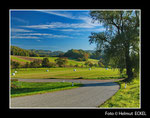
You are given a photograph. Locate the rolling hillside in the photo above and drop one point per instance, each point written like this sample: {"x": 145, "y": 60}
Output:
{"x": 24, "y": 59}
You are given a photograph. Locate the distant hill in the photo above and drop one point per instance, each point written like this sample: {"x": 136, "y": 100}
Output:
{"x": 47, "y": 52}
{"x": 22, "y": 52}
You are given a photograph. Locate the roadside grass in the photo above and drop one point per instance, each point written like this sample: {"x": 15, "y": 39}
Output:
{"x": 125, "y": 97}
{"x": 19, "y": 88}
{"x": 66, "y": 73}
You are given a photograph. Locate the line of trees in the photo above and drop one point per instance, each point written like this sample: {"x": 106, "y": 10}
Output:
{"x": 37, "y": 63}
{"x": 59, "y": 62}
{"x": 22, "y": 52}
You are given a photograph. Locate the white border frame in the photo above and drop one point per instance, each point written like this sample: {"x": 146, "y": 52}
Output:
{"x": 70, "y": 10}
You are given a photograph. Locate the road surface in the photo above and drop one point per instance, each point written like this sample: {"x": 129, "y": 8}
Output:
{"x": 92, "y": 94}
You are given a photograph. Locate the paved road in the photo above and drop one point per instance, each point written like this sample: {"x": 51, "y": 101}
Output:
{"x": 91, "y": 95}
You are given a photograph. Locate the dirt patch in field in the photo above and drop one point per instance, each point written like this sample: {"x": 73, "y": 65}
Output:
{"x": 27, "y": 58}
{"x": 22, "y": 63}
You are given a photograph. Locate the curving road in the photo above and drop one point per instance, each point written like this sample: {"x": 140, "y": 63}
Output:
{"x": 91, "y": 95}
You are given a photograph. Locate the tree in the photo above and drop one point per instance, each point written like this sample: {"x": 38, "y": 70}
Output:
{"x": 91, "y": 64}
{"x": 35, "y": 64}
{"x": 27, "y": 65}
{"x": 15, "y": 64}
{"x": 61, "y": 61}
{"x": 80, "y": 55}
{"x": 88, "y": 63}
{"x": 120, "y": 41}
{"x": 45, "y": 62}
{"x": 100, "y": 63}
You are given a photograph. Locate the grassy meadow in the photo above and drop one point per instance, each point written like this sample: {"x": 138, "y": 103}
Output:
{"x": 65, "y": 73}
{"x": 29, "y": 88}
{"x": 125, "y": 97}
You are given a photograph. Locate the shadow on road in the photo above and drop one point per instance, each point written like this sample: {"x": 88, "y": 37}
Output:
{"x": 100, "y": 84}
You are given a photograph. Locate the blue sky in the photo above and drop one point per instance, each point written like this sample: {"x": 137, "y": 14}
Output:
{"x": 52, "y": 29}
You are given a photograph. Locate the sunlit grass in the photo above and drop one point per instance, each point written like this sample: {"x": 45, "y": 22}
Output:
{"x": 30, "y": 88}
{"x": 128, "y": 97}
{"x": 65, "y": 73}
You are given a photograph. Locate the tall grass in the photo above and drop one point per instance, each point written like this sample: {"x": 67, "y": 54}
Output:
{"x": 128, "y": 97}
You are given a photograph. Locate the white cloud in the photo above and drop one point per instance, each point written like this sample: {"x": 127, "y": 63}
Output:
{"x": 38, "y": 36}
{"x": 19, "y": 30}
{"x": 68, "y": 30}
{"x": 35, "y": 34}
{"x": 20, "y": 20}
{"x": 67, "y": 14}
{"x": 61, "y": 25}
{"x": 24, "y": 37}
{"x": 58, "y": 13}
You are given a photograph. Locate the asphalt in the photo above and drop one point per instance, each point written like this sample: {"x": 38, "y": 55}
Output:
{"x": 92, "y": 94}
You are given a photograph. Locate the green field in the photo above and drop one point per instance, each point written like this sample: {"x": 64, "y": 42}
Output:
{"x": 52, "y": 59}
{"x": 15, "y": 58}
{"x": 126, "y": 97}
{"x": 30, "y": 88}
{"x": 66, "y": 73}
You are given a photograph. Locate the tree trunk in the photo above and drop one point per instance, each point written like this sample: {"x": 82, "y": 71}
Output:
{"x": 128, "y": 64}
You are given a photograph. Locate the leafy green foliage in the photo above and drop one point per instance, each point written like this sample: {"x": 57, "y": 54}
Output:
{"x": 45, "y": 62}
{"x": 61, "y": 61}
{"x": 77, "y": 54}
{"x": 22, "y": 52}
{"x": 15, "y": 64}
{"x": 89, "y": 63}
{"x": 120, "y": 41}
{"x": 100, "y": 63}
{"x": 35, "y": 64}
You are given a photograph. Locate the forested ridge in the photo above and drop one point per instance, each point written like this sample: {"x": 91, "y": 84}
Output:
{"x": 80, "y": 55}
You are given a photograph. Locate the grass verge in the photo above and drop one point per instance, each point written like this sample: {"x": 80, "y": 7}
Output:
{"x": 19, "y": 88}
{"x": 125, "y": 97}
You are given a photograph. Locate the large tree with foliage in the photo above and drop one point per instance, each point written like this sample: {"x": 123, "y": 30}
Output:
{"x": 61, "y": 61}
{"x": 45, "y": 62}
{"x": 120, "y": 41}
{"x": 80, "y": 55}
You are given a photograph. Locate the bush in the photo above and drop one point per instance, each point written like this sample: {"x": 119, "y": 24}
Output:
{"x": 35, "y": 64}
{"x": 88, "y": 63}
{"x": 61, "y": 61}
{"x": 27, "y": 65}
{"x": 76, "y": 65}
{"x": 15, "y": 64}
{"x": 51, "y": 64}
{"x": 45, "y": 62}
